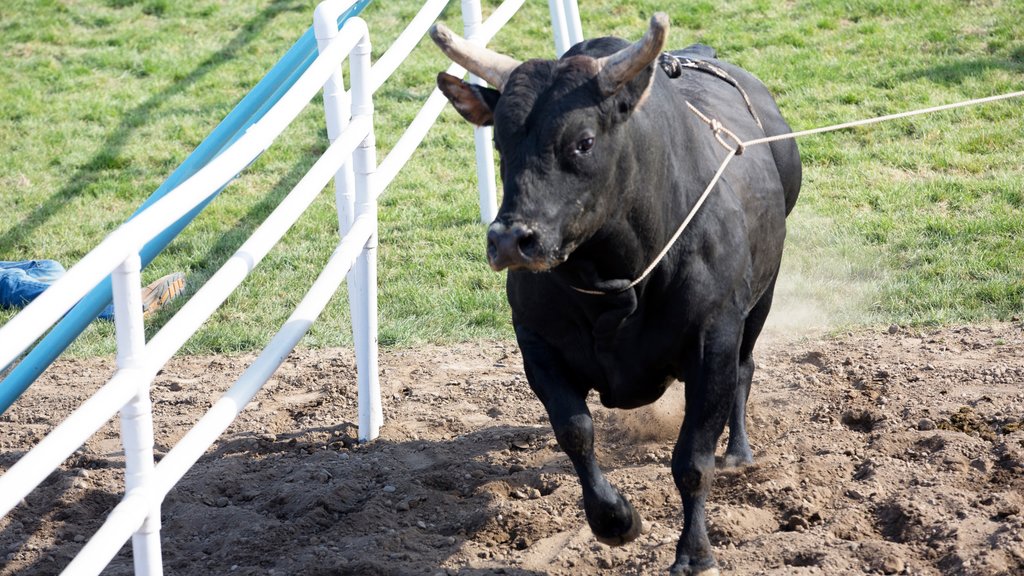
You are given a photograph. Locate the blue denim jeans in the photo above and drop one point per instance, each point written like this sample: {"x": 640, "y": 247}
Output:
{"x": 22, "y": 281}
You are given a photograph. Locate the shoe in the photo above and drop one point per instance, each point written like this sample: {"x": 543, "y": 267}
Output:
{"x": 161, "y": 292}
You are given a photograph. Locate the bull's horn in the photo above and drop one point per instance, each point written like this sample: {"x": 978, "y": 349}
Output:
{"x": 619, "y": 68}
{"x": 493, "y": 67}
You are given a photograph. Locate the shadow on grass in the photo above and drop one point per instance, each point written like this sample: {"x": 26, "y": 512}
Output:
{"x": 954, "y": 73}
{"x": 135, "y": 118}
{"x": 209, "y": 262}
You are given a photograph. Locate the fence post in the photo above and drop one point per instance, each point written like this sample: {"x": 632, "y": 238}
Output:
{"x": 472, "y": 16}
{"x": 364, "y": 296}
{"x": 558, "y": 27}
{"x": 573, "y": 26}
{"x": 339, "y": 107}
{"x": 337, "y": 113}
{"x": 137, "y": 414}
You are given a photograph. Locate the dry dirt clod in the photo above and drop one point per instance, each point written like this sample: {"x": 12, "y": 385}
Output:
{"x": 521, "y": 444}
{"x": 891, "y": 565}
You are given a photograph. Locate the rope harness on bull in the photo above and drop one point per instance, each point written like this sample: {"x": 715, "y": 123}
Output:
{"x": 718, "y": 130}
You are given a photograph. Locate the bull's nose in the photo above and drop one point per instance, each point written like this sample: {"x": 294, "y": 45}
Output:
{"x": 510, "y": 246}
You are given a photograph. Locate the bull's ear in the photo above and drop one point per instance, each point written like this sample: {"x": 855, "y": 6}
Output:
{"x": 634, "y": 93}
{"x": 474, "y": 103}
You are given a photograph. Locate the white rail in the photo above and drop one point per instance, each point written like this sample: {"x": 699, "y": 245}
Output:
{"x": 417, "y": 130}
{"x": 350, "y": 160}
{"x": 565, "y": 22}
{"x": 22, "y": 330}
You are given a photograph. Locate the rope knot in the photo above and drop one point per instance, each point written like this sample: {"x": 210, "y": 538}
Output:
{"x": 718, "y": 130}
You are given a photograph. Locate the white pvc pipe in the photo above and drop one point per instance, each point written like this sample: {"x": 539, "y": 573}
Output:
{"x": 33, "y": 468}
{"x": 472, "y": 19}
{"x": 363, "y": 299}
{"x": 129, "y": 513}
{"x": 219, "y": 287}
{"x": 339, "y": 110}
{"x": 417, "y": 130}
{"x": 137, "y": 414}
{"x": 129, "y": 330}
{"x": 486, "y": 180}
{"x": 400, "y": 49}
{"x": 336, "y": 109}
{"x": 572, "y": 22}
{"x": 22, "y": 330}
{"x": 558, "y": 27}
{"x": 413, "y": 135}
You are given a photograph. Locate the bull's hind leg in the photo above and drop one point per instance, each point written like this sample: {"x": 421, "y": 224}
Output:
{"x": 611, "y": 517}
{"x": 738, "y": 453}
{"x": 709, "y": 399}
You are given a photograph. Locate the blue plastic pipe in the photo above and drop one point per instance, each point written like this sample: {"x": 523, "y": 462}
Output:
{"x": 247, "y": 112}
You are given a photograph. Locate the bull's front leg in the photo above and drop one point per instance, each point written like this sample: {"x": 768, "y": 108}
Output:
{"x": 611, "y": 517}
{"x": 709, "y": 400}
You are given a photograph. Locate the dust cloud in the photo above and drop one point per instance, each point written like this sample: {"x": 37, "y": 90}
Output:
{"x": 828, "y": 281}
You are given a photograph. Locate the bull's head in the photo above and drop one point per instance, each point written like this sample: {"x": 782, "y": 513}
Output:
{"x": 554, "y": 127}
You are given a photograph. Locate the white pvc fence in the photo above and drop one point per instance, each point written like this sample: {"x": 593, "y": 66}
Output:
{"x": 351, "y": 161}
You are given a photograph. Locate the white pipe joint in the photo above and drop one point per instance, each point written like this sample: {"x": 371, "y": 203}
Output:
{"x": 325, "y": 29}
{"x": 131, "y": 338}
{"x": 325, "y": 17}
{"x": 359, "y": 65}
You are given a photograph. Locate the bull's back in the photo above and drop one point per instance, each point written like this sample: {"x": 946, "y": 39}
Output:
{"x": 763, "y": 105}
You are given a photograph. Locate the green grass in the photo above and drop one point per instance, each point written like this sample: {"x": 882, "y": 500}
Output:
{"x": 915, "y": 222}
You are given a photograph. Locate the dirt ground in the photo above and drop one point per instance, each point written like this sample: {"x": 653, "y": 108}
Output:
{"x": 878, "y": 452}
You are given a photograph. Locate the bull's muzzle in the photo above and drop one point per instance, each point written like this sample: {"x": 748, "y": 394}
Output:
{"x": 512, "y": 246}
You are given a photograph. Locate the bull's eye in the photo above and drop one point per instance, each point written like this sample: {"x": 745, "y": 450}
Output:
{"x": 585, "y": 145}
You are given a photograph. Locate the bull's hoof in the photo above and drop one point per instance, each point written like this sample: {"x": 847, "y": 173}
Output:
{"x": 737, "y": 455}
{"x": 686, "y": 567}
{"x": 630, "y": 533}
{"x": 686, "y": 571}
{"x": 733, "y": 461}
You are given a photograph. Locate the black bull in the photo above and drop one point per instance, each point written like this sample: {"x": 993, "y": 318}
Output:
{"x": 600, "y": 161}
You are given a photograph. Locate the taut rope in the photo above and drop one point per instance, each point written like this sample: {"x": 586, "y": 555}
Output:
{"x": 718, "y": 130}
